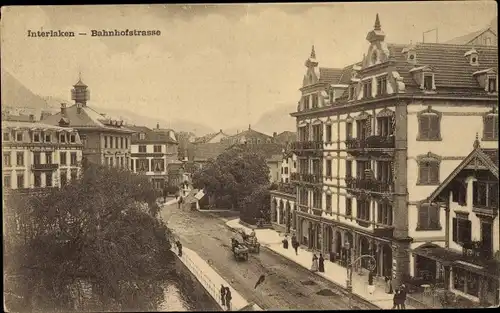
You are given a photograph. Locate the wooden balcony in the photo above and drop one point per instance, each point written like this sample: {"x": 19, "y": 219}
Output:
{"x": 373, "y": 185}
{"x": 307, "y": 178}
{"x": 44, "y": 167}
{"x": 373, "y": 145}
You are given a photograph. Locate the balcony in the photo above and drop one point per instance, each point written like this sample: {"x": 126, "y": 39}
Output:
{"x": 306, "y": 178}
{"x": 487, "y": 210}
{"x": 44, "y": 167}
{"x": 307, "y": 147}
{"x": 372, "y": 185}
{"x": 287, "y": 188}
{"x": 370, "y": 145}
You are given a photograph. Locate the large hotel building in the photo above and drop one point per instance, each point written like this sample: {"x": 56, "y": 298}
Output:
{"x": 378, "y": 140}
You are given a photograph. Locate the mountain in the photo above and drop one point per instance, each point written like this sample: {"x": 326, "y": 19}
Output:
{"x": 276, "y": 120}
{"x": 16, "y": 95}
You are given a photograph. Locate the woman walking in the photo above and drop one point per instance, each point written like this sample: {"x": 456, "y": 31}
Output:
{"x": 321, "y": 263}
{"x": 371, "y": 286}
{"x": 285, "y": 242}
{"x": 223, "y": 295}
{"x": 314, "y": 266}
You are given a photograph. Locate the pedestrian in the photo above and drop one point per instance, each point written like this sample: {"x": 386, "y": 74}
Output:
{"x": 371, "y": 286}
{"x": 314, "y": 266}
{"x": 180, "y": 202}
{"x": 228, "y": 298}
{"x": 396, "y": 300}
{"x": 403, "y": 296}
{"x": 223, "y": 295}
{"x": 179, "y": 247}
{"x": 285, "y": 242}
{"x": 321, "y": 263}
{"x": 388, "y": 288}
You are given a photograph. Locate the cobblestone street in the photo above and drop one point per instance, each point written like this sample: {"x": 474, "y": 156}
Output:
{"x": 287, "y": 285}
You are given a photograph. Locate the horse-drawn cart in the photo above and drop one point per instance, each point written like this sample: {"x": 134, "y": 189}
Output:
{"x": 240, "y": 251}
{"x": 250, "y": 241}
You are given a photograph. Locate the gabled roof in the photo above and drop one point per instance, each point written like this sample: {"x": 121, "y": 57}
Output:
{"x": 208, "y": 137}
{"x": 87, "y": 118}
{"x": 487, "y": 158}
{"x": 151, "y": 135}
{"x": 250, "y": 133}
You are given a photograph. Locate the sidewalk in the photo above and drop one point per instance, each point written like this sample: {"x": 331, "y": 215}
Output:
{"x": 212, "y": 281}
{"x": 333, "y": 272}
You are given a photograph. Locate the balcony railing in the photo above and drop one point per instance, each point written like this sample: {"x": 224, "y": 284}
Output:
{"x": 369, "y": 184}
{"x": 287, "y": 188}
{"x": 377, "y": 141}
{"x": 307, "y": 145}
{"x": 308, "y": 178}
{"x": 44, "y": 167}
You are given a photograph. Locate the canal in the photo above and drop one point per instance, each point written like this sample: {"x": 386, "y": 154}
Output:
{"x": 183, "y": 292}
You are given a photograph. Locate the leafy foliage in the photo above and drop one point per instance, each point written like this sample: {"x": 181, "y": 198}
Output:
{"x": 100, "y": 233}
{"x": 256, "y": 206}
{"x": 234, "y": 175}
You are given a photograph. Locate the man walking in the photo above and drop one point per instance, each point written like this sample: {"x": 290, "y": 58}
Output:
{"x": 180, "y": 202}
{"x": 228, "y": 298}
{"x": 223, "y": 295}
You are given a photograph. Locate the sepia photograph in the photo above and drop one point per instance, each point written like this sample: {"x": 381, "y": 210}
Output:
{"x": 250, "y": 156}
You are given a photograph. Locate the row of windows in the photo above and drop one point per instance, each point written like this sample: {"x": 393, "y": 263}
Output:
{"x": 143, "y": 165}
{"x": 113, "y": 142}
{"x": 21, "y": 182}
{"x": 156, "y": 148}
{"x": 39, "y": 137}
{"x": 37, "y": 158}
{"x": 121, "y": 161}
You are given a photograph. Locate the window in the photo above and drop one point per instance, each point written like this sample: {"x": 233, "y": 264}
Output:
{"x": 316, "y": 167}
{"x": 7, "y": 181}
{"x": 465, "y": 281}
{"x": 348, "y": 168}
{"x": 142, "y": 136}
{"x": 83, "y": 139}
{"x": 48, "y": 157}
{"x": 328, "y": 203}
{"x": 490, "y": 127}
{"x": 72, "y": 138}
{"x": 428, "y": 217}
{"x": 6, "y": 136}
{"x": 428, "y": 82}
{"x": 20, "y": 158}
{"x": 462, "y": 230}
{"x": 286, "y": 170}
{"x": 317, "y": 133}
{"x": 384, "y": 126}
{"x": 351, "y": 91}
{"x": 73, "y": 159}
{"x": 363, "y": 211}
{"x": 64, "y": 178}
{"x": 20, "y": 180}
{"x": 428, "y": 171}
{"x": 294, "y": 164}
{"x": 384, "y": 171}
{"x": 303, "y": 134}
{"x": 112, "y": 142}
{"x": 317, "y": 199}
{"x": 485, "y": 194}
{"x": 331, "y": 96}
{"x": 381, "y": 85}
{"x": 314, "y": 101}
{"x": 367, "y": 89}
{"x": 105, "y": 141}
{"x": 142, "y": 165}
{"x": 37, "y": 158}
{"x": 348, "y": 130}
{"x": 459, "y": 193}
{"x": 62, "y": 138}
{"x": 158, "y": 165}
{"x": 492, "y": 84}
{"x": 157, "y": 149}
{"x": 19, "y": 136}
{"x": 363, "y": 128}
{"x": 306, "y": 102}
{"x": 74, "y": 175}
{"x": 126, "y": 143}
{"x": 36, "y": 137}
{"x": 487, "y": 41}
{"x": 142, "y": 149}
{"x": 6, "y": 159}
{"x": 361, "y": 168}
{"x": 384, "y": 215}
{"x": 348, "y": 206}
{"x": 328, "y": 168}
{"x": 429, "y": 127}
{"x": 328, "y": 133}
{"x": 38, "y": 180}
{"x": 48, "y": 138}
{"x": 48, "y": 179}
{"x": 62, "y": 156}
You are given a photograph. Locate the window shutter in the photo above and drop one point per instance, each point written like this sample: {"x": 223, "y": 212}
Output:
{"x": 462, "y": 194}
{"x": 489, "y": 127}
{"x": 434, "y": 216}
{"x": 423, "y": 216}
{"x": 454, "y": 227}
{"x": 434, "y": 173}
{"x": 474, "y": 193}
{"x": 467, "y": 233}
{"x": 433, "y": 126}
{"x": 424, "y": 125}
{"x": 424, "y": 173}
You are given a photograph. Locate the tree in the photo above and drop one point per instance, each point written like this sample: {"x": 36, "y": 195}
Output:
{"x": 256, "y": 206}
{"x": 101, "y": 233}
{"x": 234, "y": 175}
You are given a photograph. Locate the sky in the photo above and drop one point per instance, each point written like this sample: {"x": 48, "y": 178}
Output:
{"x": 222, "y": 65}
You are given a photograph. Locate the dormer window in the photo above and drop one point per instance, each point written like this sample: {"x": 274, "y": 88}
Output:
{"x": 351, "y": 93}
{"x": 48, "y": 138}
{"x": 331, "y": 95}
{"x": 72, "y": 138}
{"x": 381, "y": 85}
{"x": 36, "y": 137}
{"x": 314, "y": 101}
{"x": 428, "y": 82}
{"x": 19, "y": 136}
{"x": 472, "y": 56}
{"x": 492, "y": 84}
{"x": 6, "y": 136}
{"x": 142, "y": 136}
{"x": 62, "y": 138}
{"x": 367, "y": 89}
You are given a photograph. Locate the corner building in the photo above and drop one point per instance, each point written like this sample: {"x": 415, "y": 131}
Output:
{"x": 375, "y": 138}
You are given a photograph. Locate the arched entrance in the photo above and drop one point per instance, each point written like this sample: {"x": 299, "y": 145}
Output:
{"x": 281, "y": 213}
{"x": 387, "y": 260}
{"x": 305, "y": 232}
{"x": 274, "y": 210}
{"x": 364, "y": 246}
{"x": 288, "y": 215}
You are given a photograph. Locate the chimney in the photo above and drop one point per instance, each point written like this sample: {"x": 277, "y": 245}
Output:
{"x": 157, "y": 125}
{"x": 275, "y": 134}
{"x": 78, "y": 108}
{"x": 249, "y": 127}
{"x": 63, "y": 108}
{"x": 32, "y": 118}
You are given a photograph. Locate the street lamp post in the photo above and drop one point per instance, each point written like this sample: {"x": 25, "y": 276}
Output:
{"x": 349, "y": 268}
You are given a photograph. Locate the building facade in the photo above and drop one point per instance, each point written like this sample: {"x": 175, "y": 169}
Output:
{"x": 38, "y": 156}
{"x": 249, "y": 136}
{"x": 375, "y": 138}
{"x": 153, "y": 152}
{"x": 106, "y": 141}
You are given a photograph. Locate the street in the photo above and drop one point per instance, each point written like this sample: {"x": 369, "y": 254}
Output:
{"x": 287, "y": 285}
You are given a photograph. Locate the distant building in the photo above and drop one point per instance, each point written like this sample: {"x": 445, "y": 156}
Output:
{"x": 249, "y": 136}
{"x": 211, "y": 138}
{"x": 37, "y": 155}
{"x": 285, "y": 137}
{"x": 200, "y": 153}
{"x": 105, "y": 141}
{"x": 153, "y": 153}
{"x": 487, "y": 36}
